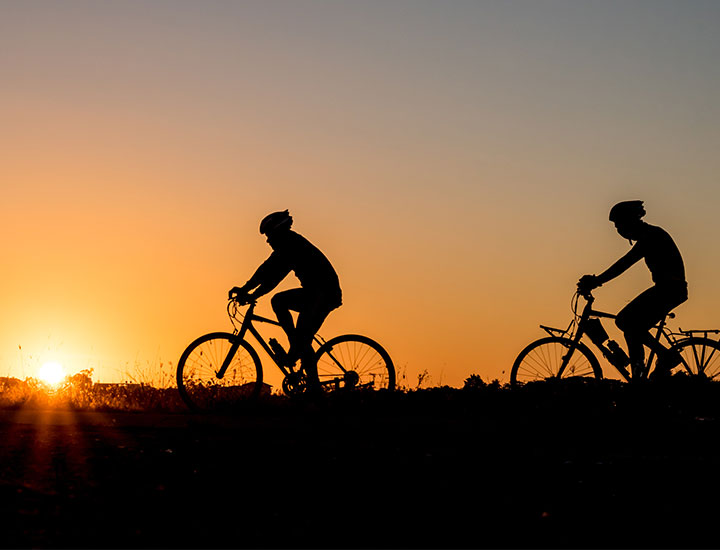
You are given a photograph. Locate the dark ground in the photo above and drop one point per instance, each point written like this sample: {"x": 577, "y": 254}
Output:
{"x": 548, "y": 465}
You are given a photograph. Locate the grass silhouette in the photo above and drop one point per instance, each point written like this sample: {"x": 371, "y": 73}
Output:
{"x": 564, "y": 463}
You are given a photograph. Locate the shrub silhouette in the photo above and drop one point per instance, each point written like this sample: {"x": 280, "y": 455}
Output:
{"x": 474, "y": 382}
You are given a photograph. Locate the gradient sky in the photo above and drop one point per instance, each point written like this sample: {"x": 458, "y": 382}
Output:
{"x": 455, "y": 160}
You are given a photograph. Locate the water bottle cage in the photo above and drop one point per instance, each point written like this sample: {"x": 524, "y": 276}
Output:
{"x": 616, "y": 355}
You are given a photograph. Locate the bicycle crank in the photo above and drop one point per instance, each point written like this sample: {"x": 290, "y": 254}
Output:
{"x": 293, "y": 384}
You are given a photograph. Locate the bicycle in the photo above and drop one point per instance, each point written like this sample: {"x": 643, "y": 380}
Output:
{"x": 562, "y": 354}
{"x": 222, "y": 369}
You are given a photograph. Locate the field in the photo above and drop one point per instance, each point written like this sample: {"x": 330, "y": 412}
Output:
{"x": 563, "y": 464}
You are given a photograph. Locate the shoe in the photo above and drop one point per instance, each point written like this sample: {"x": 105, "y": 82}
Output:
{"x": 291, "y": 358}
{"x": 665, "y": 364}
{"x": 660, "y": 373}
{"x": 637, "y": 370}
{"x": 670, "y": 359}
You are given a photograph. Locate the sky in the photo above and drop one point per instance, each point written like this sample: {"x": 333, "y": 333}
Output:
{"x": 455, "y": 160}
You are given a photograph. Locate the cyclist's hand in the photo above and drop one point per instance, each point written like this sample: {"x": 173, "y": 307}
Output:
{"x": 237, "y": 293}
{"x": 587, "y": 283}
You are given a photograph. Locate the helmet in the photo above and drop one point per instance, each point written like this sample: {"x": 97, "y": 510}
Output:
{"x": 627, "y": 210}
{"x": 274, "y": 221}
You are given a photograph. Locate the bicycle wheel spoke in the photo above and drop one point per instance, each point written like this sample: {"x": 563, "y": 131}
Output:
{"x": 698, "y": 362}
{"x": 358, "y": 362}
{"x": 707, "y": 361}
{"x": 700, "y": 357}
{"x": 541, "y": 364}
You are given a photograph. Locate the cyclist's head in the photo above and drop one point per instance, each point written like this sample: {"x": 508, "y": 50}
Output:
{"x": 275, "y": 222}
{"x": 627, "y": 211}
{"x": 627, "y": 217}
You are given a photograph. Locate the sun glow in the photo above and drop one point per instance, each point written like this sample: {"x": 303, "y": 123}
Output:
{"x": 51, "y": 373}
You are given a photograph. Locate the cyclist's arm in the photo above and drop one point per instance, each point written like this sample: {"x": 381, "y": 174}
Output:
{"x": 619, "y": 267}
{"x": 267, "y": 276}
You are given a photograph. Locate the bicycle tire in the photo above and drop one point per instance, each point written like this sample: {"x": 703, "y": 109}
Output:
{"x": 542, "y": 359}
{"x": 701, "y": 357}
{"x": 354, "y": 361}
{"x": 198, "y": 384}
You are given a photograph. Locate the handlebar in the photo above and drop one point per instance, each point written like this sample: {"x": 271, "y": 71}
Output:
{"x": 585, "y": 293}
{"x": 233, "y": 309}
{"x": 242, "y": 300}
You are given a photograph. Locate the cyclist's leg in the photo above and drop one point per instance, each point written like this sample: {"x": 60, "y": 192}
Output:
{"x": 661, "y": 299}
{"x": 309, "y": 322}
{"x": 635, "y": 320}
{"x": 284, "y": 302}
{"x": 639, "y": 316}
{"x": 670, "y": 296}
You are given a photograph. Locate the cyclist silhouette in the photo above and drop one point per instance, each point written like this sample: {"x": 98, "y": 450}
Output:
{"x": 319, "y": 293}
{"x": 663, "y": 259}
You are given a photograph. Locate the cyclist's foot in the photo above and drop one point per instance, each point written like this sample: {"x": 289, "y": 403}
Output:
{"x": 671, "y": 359}
{"x": 660, "y": 373}
{"x": 291, "y": 359}
{"x": 313, "y": 387}
{"x": 637, "y": 370}
{"x": 666, "y": 362}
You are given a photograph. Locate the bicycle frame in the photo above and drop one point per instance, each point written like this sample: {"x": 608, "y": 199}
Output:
{"x": 589, "y": 313}
{"x": 247, "y": 326}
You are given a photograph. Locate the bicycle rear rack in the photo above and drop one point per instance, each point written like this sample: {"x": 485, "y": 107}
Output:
{"x": 703, "y": 331}
{"x": 557, "y": 331}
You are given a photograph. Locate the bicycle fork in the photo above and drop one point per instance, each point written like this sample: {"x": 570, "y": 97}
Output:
{"x": 567, "y": 356}
{"x": 239, "y": 335}
{"x": 228, "y": 359}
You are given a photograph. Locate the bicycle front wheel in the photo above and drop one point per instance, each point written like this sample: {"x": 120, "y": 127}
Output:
{"x": 700, "y": 357}
{"x": 354, "y": 361}
{"x": 543, "y": 358}
{"x": 199, "y": 378}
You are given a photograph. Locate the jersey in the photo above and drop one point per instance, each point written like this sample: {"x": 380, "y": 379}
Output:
{"x": 293, "y": 252}
{"x": 661, "y": 255}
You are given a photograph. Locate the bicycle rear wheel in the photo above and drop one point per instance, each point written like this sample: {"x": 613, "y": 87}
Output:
{"x": 353, "y": 361}
{"x": 700, "y": 357}
{"x": 197, "y": 373}
{"x": 543, "y": 358}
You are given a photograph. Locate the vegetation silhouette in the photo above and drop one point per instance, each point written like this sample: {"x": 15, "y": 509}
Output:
{"x": 564, "y": 463}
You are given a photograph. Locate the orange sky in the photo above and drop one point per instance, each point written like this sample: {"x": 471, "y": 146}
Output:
{"x": 455, "y": 161}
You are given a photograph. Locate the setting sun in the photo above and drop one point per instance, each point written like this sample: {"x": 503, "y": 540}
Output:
{"x": 52, "y": 373}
